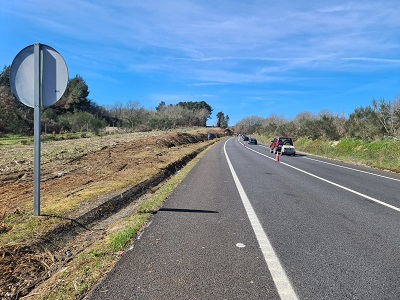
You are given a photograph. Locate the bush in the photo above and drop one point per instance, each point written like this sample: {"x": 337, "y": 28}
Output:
{"x": 82, "y": 121}
{"x": 378, "y": 153}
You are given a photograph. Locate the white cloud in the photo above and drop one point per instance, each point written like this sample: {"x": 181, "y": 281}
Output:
{"x": 204, "y": 84}
{"x": 373, "y": 59}
{"x": 209, "y": 43}
{"x": 222, "y": 31}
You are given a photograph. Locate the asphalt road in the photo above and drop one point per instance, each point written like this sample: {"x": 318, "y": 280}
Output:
{"x": 244, "y": 226}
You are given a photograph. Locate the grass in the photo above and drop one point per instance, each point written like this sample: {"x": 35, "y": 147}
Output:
{"x": 89, "y": 266}
{"x": 121, "y": 239}
{"x": 263, "y": 139}
{"x": 13, "y": 139}
{"x": 384, "y": 154}
{"x": 17, "y": 227}
{"x": 23, "y": 227}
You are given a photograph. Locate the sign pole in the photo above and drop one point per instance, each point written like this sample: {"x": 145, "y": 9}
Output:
{"x": 37, "y": 129}
{"x": 46, "y": 69}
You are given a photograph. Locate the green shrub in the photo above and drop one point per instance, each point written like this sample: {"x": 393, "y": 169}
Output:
{"x": 380, "y": 153}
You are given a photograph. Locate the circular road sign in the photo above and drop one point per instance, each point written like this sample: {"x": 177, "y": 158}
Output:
{"x": 53, "y": 75}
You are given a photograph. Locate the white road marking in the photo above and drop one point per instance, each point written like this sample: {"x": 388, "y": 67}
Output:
{"x": 344, "y": 167}
{"x": 333, "y": 183}
{"x": 346, "y": 188}
{"x": 369, "y": 173}
{"x": 281, "y": 281}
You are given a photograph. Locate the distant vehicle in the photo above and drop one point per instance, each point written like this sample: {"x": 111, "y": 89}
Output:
{"x": 252, "y": 141}
{"x": 245, "y": 138}
{"x": 283, "y": 145}
{"x": 288, "y": 150}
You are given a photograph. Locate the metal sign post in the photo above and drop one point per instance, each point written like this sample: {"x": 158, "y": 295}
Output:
{"x": 37, "y": 101}
{"x": 38, "y": 73}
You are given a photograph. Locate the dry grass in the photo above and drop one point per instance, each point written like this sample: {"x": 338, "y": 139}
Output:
{"x": 81, "y": 274}
{"x": 77, "y": 176}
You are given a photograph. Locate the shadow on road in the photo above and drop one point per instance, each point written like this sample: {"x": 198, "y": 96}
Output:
{"x": 189, "y": 210}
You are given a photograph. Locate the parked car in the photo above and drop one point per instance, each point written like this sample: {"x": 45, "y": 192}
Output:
{"x": 288, "y": 150}
{"x": 283, "y": 145}
{"x": 252, "y": 141}
{"x": 245, "y": 138}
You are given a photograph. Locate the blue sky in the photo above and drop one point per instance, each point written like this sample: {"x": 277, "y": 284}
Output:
{"x": 244, "y": 58}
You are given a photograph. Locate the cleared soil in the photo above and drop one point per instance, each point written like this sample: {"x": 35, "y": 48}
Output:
{"x": 83, "y": 182}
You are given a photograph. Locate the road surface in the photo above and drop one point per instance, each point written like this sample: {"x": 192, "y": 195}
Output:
{"x": 243, "y": 226}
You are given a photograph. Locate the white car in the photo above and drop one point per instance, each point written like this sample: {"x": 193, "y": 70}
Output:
{"x": 288, "y": 150}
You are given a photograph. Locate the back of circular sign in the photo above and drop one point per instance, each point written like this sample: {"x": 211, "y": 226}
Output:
{"x": 53, "y": 74}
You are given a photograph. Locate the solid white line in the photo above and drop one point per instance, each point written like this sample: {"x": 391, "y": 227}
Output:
{"x": 348, "y": 168}
{"x": 345, "y": 188}
{"x": 281, "y": 281}
{"x": 333, "y": 183}
{"x": 369, "y": 173}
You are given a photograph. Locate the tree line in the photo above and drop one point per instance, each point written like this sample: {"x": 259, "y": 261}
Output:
{"x": 75, "y": 112}
{"x": 380, "y": 119}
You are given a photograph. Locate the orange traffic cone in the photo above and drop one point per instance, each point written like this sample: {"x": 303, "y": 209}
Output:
{"x": 277, "y": 156}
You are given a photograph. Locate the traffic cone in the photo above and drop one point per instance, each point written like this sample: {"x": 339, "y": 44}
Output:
{"x": 277, "y": 156}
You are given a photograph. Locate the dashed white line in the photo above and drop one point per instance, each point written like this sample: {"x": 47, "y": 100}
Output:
{"x": 281, "y": 281}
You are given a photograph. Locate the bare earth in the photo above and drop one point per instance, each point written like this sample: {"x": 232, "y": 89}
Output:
{"x": 75, "y": 174}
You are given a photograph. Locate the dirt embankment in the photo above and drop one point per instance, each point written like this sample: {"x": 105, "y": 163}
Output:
{"x": 83, "y": 181}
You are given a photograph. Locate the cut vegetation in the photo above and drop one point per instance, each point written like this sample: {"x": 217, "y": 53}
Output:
{"x": 96, "y": 194}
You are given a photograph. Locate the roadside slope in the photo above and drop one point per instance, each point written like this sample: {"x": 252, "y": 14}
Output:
{"x": 74, "y": 186}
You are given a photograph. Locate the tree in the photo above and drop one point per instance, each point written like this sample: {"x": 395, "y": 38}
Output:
{"x": 363, "y": 123}
{"x": 115, "y": 113}
{"x": 202, "y": 116}
{"x": 132, "y": 114}
{"x": 5, "y": 79}
{"x": 10, "y": 121}
{"x": 303, "y": 124}
{"x": 226, "y": 121}
{"x": 196, "y": 107}
{"x": 82, "y": 121}
{"x": 270, "y": 126}
{"x": 250, "y": 125}
{"x": 161, "y": 106}
{"x": 220, "y": 119}
{"x": 328, "y": 130}
{"x": 75, "y": 97}
{"x": 15, "y": 117}
{"x": 388, "y": 114}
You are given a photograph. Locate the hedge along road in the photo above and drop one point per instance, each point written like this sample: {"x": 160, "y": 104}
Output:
{"x": 243, "y": 226}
